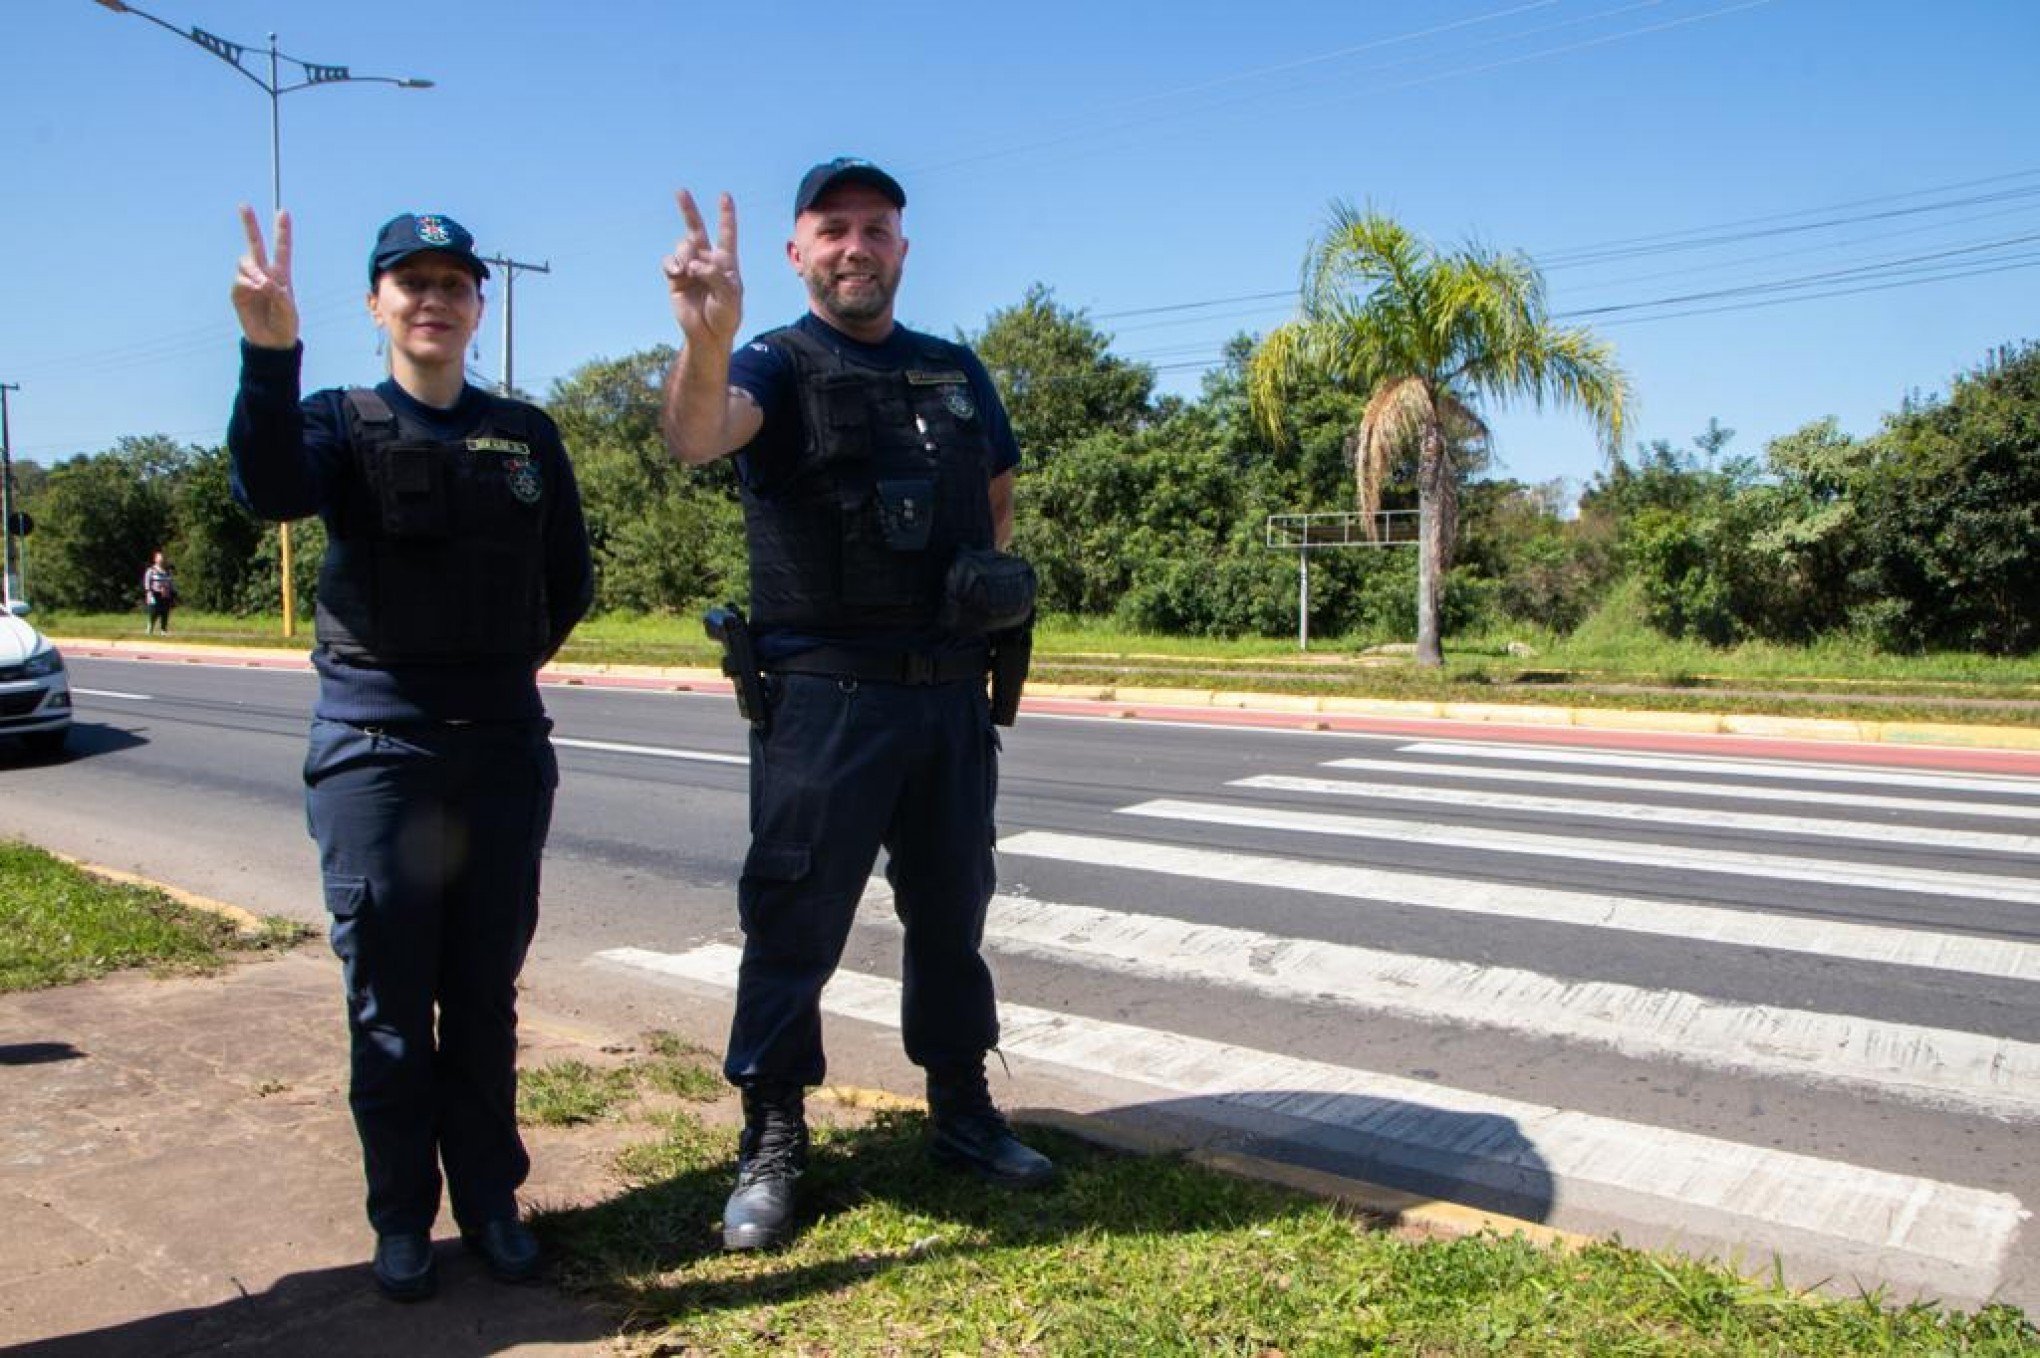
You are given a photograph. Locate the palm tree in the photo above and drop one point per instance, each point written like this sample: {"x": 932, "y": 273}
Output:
{"x": 1425, "y": 337}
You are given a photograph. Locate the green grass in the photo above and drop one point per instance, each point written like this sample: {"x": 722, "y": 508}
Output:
{"x": 1154, "y": 1255}
{"x": 570, "y": 1092}
{"x": 60, "y": 924}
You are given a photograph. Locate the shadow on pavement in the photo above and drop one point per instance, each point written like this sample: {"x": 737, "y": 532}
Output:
{"x": 333, "y": 1312}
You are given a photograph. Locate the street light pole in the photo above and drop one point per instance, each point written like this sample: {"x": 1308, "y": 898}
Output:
{"x": 313, "y": 74}
{"x": 8, "y": 580}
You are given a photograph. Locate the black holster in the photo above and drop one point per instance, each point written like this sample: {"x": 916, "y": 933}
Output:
{"x": 728, "y": 627}
{"x": 1012, "y": 652}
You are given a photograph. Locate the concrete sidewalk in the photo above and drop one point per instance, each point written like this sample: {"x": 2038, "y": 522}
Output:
{"x": 179, "y": 1175}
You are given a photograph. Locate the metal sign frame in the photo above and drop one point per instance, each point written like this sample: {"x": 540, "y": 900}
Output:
{"x": 1307, "y": 533}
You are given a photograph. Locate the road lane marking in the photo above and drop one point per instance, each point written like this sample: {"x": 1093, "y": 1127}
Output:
{"x": 113, "y": 693}
{"x": 1681, "y": 817}
{"x": 1739, "y": 791}
{"x": 1939, "y": 1067}
{"x": 1959, "y": 1233}
{"x": 652, "y": 751}
{"x": 1734, "y": 862}
{"x": 1966, "y": 953}
{"x": 1740, "y": 768}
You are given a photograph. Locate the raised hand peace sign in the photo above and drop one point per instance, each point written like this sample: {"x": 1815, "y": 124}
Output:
{"x": 707, "y": 290}
{"x": 262, "y": 295}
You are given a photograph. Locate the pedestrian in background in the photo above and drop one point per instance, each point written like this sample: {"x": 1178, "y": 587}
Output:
{"x": 159, "y": 594}
{"x": 876, "y": 466}
{"x": 457, "y": 562}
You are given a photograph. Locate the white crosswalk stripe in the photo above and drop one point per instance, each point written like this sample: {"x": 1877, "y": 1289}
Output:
{"x": 1729, "y": 768}
{"x": 1732, "y": 861}
{"x": 1682, "y": 817}
{"x": 1936, "y": 1066}
{"x": 1941, "y": 1230}
{"x": 1574, "y": 780}
{"x": 1672, "y": 919}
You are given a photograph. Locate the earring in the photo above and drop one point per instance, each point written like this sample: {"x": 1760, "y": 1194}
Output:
{"x": 378, "y": 344}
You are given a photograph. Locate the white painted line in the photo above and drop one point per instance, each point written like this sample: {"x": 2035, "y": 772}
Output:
{"x": 1481, "y": 1138}
{"x": 1742, "y": 792}
{"x": 1738, "y": 768}
{"x": 1939, "y": 1067}
{"x": 652, "y": 751}
{"x": 1734, "y": 862}
{"x": 1679, "y": 817}
{"x": 114, "y": 693}
{"x": 1966, "y": 953}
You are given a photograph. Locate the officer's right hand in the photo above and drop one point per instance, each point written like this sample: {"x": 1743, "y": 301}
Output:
{"x": 706, "y": 289}
{"x": 262, "y": 295}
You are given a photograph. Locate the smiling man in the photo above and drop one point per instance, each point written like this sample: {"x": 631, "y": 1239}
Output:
{"x": 876, "y": 465}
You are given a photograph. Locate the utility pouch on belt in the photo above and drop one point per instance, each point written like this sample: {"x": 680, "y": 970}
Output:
{"x": 1012, "y": 651}
{"x": 727, "y": 626}
{"x": 986, "y": 591}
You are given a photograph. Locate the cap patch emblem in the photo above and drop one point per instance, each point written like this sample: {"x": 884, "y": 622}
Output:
{"x": 432, "y": 230}
{"x": 959, "y": 402}
{"x": 522, "y": 475}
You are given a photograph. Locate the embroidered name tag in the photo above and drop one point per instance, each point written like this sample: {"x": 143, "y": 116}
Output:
{"x": 489, "y": 445}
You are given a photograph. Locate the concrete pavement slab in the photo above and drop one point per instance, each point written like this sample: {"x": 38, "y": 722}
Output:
{"x": 179, "y": 1175}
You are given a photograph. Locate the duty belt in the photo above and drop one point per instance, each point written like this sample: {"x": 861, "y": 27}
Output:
{"x": 885, "y": 667}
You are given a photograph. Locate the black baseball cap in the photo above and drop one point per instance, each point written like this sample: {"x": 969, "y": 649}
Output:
{"x": 416, "y": 233}
{"x": 845, "y": 170}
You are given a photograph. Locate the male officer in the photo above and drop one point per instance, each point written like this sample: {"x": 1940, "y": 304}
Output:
{"x": 876, "y": 466}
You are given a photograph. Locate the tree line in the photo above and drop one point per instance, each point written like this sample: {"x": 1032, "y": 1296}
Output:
{"x": 1150, "y": 510}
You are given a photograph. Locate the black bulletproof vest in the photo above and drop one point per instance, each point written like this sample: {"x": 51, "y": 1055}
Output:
{"x": 892, "y": 478}
{"x": 435, "y": 550}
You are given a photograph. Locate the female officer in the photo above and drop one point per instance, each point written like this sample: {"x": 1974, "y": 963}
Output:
{"x": 457, "y": 562}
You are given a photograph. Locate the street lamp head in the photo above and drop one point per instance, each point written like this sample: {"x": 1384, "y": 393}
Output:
{"x": 412, "y": 83}
{"x": 115, "y": 5}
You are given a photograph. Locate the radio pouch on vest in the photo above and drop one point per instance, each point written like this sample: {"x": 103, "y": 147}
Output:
{"x": 986, "y": 591}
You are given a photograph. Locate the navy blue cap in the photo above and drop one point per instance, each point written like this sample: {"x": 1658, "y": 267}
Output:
{"x": 845, "y": 170}
{"x": 416, "y": 233}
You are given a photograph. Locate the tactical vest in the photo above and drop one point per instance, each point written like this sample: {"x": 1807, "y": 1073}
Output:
{"x": 891, "y": 479}
{"x": 436, "y": 551}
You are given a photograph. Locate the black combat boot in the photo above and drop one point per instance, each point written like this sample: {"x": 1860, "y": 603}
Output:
{"x": 771, "y": 1153}
{"x": 966, "y": 1131}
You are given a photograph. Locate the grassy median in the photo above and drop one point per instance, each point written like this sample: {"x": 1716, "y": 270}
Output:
{"x": 61, "y": 924}
{"x": 1129, "y": 1254}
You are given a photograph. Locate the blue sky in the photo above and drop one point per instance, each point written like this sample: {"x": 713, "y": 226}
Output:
{"x": 1163, "y": 167}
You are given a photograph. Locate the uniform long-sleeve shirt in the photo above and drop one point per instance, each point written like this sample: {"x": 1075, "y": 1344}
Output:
{"x": 292, "y": 458}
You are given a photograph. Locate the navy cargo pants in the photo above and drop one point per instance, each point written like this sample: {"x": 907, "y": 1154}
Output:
{"x": 844, "y": 768}
{"x": 429, "y": 840}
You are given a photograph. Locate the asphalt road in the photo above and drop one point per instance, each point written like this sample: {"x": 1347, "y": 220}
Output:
{"x": 1739, "y": 1004}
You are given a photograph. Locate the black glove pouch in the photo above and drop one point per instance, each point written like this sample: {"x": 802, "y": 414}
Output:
{"x": 986, "y": 591}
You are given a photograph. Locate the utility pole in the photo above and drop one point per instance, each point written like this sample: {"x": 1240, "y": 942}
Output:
{"x": 510, "y": 268}
{"x": 7, "y": 576}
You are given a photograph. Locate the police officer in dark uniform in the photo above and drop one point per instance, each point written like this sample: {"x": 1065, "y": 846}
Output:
{"x": 457, "y": 562}
{"x": 876, "y": 466}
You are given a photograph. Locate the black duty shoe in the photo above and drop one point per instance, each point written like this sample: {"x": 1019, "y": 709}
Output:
{"x": 403, "y": 1266}
{"x": 508, "y": 1249}
{"x": 966, "y": 1131}
{"x": 771, "y": 1154}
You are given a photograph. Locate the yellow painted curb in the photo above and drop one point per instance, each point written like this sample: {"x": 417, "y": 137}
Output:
{"x": 1507, "y": 714}
{"x": 246, "y": 921}
{"x": 1384, "y": 707}
{"x": 1798, "y": 728}
{"x": 1620, "y": 719}
{"x": 1946, "y": 733}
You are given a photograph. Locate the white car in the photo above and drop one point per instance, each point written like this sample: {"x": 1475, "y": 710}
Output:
{"x": 35, "y": 693}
